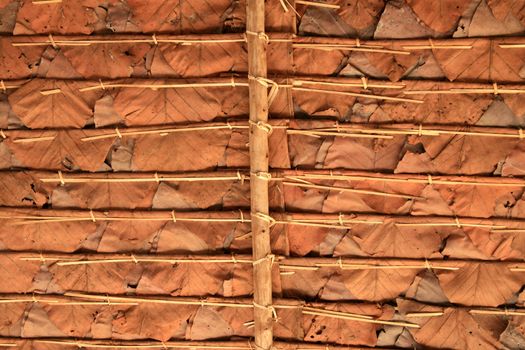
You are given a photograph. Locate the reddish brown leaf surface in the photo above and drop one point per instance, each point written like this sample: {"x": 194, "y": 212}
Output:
{"x": 443, "y": 16}
{"x": 456, "y": 329}
{"x": 78, "y": 17}
{"x": 68, "y": 108}
{"x": 66, "y": 151}
{"x": 481, "y": 284}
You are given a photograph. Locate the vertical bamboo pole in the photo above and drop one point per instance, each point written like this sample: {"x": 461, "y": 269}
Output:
{"x": 258, "y": 92}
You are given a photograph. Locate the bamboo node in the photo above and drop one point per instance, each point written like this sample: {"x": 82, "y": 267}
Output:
{"x": 154, "y": 38}
{"x": 3, "y": 134}
{"x": 357, "y": 42}
{"x": 157, "y": 180}
{"x": 134, "y": 258}
{"x": 430, "y": 179}
{"x": 458, "y": 224}
{"x": 2, "y": 86}
{"x": 263, "y": 126}
{"x": 52, "y": 41}
{"x": 42, "y": 259}
{"x": 234, "y": 260}
{"x": 265, "y": 217}
{"x": 173, "y": 216}
{"x": 495, "y": 86}
{"x": 420, "y": 130}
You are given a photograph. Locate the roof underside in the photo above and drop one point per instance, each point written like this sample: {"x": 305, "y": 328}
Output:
{"x": 396, "y": 162}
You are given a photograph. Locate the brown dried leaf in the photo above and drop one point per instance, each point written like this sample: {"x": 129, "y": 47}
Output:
{"x": 19, "y": 274}
{"x": 455, "y": 154}
{"x": 106, "y": 60}
{"x": 483, "y": 284}
{"x": 443, "y": 16}
{"x": 93, "y": 278}
{"x": 323, "y": 329}
{"x": 69, "y": 108}
{"x": 61, "y": 237}
{"x": 75, "y": 17}
{"x": 390, "y": 240}
{"x": 145, "y": 106}
{"x": 188, "y": 151}
{"x": 456, "y": 329}
{"x": 192, "y": 279}
{"x": 11, "y": 316}
{"x": 378, "y": 285}
{"x": 502, "y": 9}
{"x": 486, "y": 61}
{"x": 154, "y": 321}
{"x": 360, "y": 14}
{"x": 65, "y": 152}
{"x": 73, "y": 320}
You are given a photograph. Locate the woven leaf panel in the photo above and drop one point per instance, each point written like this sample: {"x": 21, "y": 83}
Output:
{"x": 26, "y": 189}
{"x": 500, "y": 284}
{"x": 192, "y": 322}
{"x": 21, "y": 17}
{"x": 139, "y": 104}
{"x": 485, "y": 60}
{"x": 413, "y": 19}
{"x": 123, "y": 60}
{"x": 203, "y": 233}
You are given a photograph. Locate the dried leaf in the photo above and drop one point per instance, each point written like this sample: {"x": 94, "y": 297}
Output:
{"x": 65, "y": 152}
{"x": 145, "y": 106}
{"x": 443, "y": 16}
{"x": 77, "y": 17}
{"x": 391, "y": 240}
{"x": 93, "y": 278}
{"x": 482, "y": 284}
{"x": 485, "y": 61}
{"x": 19, "y": 274}
{"x": 456, "y": 329}
{"x": 66, "y": 109}
{"x": 153, "y": 321}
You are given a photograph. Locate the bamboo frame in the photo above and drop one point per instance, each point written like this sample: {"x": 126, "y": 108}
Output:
{"x": 317, "y": 4}
{"x": 338, "y": 130}
{"x": 325, "y": 220}
{"x": 259, "y": 132}
{"x": 284, "y": 263}
{"x": 238, "y": 344}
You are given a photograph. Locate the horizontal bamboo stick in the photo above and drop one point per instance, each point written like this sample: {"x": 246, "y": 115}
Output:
{"x": 103, "y": 86}
{"x": 317, "y": 4}
{"x": 285, "y": 263}
{"x": 356, "y": 94}
{"x": 347, "y": 47}
{"x": 31, "y": 216}
{"x": 345, "y": 189}
{"x": 428, "y": 180}
{"x": 237, "y": 344}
